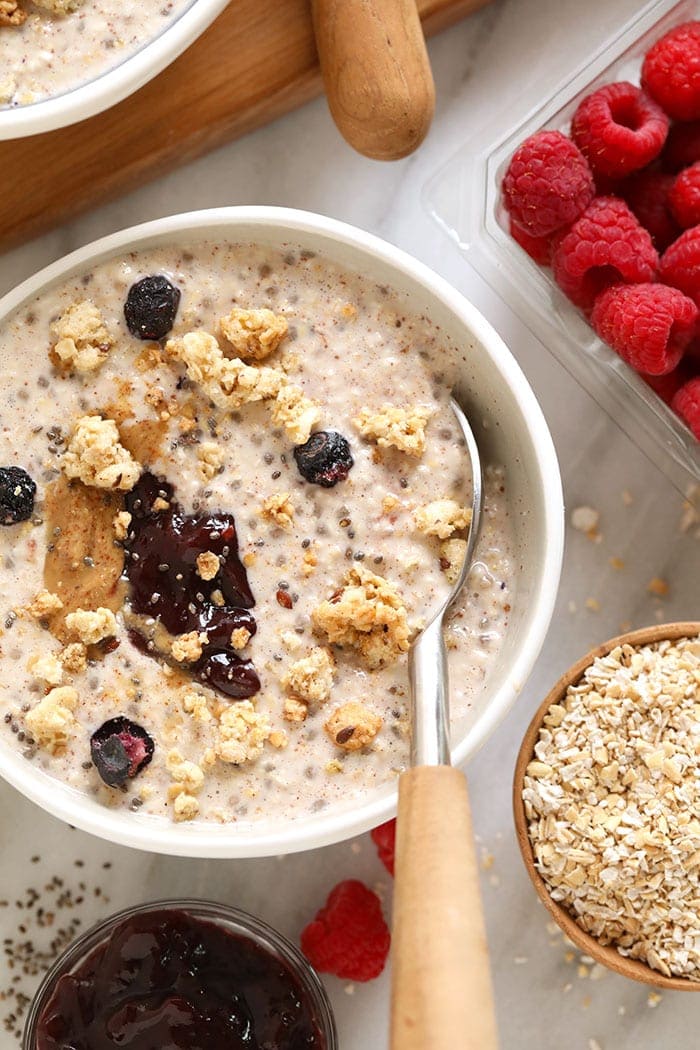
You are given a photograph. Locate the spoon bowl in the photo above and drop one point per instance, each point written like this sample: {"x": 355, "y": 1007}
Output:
{"x": 606, "y": 955}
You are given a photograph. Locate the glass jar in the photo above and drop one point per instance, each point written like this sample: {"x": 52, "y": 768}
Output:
{"x": 237, "y": 922}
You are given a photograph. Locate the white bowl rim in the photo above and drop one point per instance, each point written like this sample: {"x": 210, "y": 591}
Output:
{"x": 106, "y": 89}
{"x": 194, "y": 840}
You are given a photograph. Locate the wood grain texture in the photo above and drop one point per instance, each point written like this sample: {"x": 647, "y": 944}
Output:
{"x": 607, "y": 956}
{"x": 257, "y": 61}
{"x": 376, "y": 73}
{"x": 441, "y": 996}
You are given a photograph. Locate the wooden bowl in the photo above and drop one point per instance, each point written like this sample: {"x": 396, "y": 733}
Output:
{"x": 607, "y": 956}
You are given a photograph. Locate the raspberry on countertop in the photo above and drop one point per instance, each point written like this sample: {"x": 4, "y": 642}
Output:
{"x": 348, "y": 937}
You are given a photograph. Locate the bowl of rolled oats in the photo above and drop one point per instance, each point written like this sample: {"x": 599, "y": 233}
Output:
{"x": 62, "y": 61}
{"x": 605, "y": 798}
{"x": 231, "y": 492}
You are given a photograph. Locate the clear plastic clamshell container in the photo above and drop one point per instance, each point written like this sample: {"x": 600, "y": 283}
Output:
{"x": 464, "y": 198}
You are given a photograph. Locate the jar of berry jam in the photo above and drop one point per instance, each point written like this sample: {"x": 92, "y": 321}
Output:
{"x": 181, "y": 974}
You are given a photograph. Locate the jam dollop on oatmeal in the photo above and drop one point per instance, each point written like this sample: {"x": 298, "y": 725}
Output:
{"x": 238, "y": 529}
{"x": 164, "y": 549}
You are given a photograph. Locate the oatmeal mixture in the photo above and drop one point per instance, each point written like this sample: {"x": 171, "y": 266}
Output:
{"x": 231, "y": 492}
{"x": 48, "y": 47}
{"x": 611, "y": 797}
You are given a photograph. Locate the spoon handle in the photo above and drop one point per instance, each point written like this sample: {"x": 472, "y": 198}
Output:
{"x": 376, "y": 72}
{"x": 441, "y": 994}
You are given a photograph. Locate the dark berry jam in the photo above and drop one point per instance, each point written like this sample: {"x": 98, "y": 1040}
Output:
{"x": 161, "y": 565}
{"x": 165, "y": 980}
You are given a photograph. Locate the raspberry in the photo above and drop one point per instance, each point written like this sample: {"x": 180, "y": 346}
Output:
{"x": 384, "y": 838}
{"x": 606, "y": 245}
{"x": 671, "y": 72}
{"x": 648, "y": 325}
{"x": 682, "y": 147}
{"x": 680, "y": 263}
{"x": 684, "y": 197}
{"x": 538, "y": 248}
{"x": 666, "y": 387}
{"x": 547, "y": 185}
{"x": 647, "y": 195}
{"x": 686, "y": 404}
{"x": 348, "y": 937}
{"x": 619, "y": 129}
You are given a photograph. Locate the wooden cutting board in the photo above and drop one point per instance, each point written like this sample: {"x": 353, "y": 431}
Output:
{"x": 257, "y": 61}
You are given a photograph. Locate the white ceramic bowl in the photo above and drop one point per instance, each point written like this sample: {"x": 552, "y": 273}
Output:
{"x": 112, "y": 86}
{"x": 510, "y": 429}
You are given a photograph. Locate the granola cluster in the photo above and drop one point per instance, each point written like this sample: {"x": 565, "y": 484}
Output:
{"x": 612, "y": 800}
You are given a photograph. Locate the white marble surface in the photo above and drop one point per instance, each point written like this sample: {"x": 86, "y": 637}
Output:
{"x": 500, "y": 61}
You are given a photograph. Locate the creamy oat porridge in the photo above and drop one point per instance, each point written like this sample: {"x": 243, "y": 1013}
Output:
{"x": 48, "y": 47}
{"x": 250, "y": 494}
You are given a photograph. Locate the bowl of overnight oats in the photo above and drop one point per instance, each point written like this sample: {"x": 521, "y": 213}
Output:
{"x": 232, "y": 491}
{"x": 64, "y": 60}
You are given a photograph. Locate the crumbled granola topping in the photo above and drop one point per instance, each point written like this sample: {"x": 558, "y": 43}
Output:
{"x": 11, "y": 14}
{"x": 253, "y": 334}
{"x": 242, "y": 733}
{"x": 211, "y": 458}
{"x": 46, "y": 667}
{"x": 311, "y": 678}
{"x": 44, "y": 605}
{"x": 187, "y": 648}
{"x": 278, "y": 509}
{"x": 441, "y": 518}
{"x": 51, "y": 722}
{"x": 294, "y": 710}
{"x": 229, "y": 382}
{"x": 352, "y": 726}
{"x": 367, "y": 614}
{"x": 96, "y": 456}
{"x": 295, "y": 412}
{"x": 121, "y": 524}
{"x": 240, "y": 638}
{"x": 74, "y": 658}
{"x": 208, "y": 565}
{"x": 82, "y": 341}
{"x": 197, "y": 705}
{"x": 59, "y": 7}
{"x": 188, "y": 776}
{"x": 91, "y": 626}
{"x": 611, "y": 797}
{"x": 402, "y": 428}
{"x": 452, "y": 555}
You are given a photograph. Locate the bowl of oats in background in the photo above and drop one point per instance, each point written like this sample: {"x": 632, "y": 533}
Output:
{"x": 605, "y": 804}
{"x": 365, "y": 324}
{"x": 62, "y": 61}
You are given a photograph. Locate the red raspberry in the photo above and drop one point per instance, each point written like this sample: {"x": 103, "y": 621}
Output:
{"x": 684, "y": 197}
{"x": 671, "y": 72}
{"x": 647, "y": 195}
{"x": 649, "y": 325}
{"x": 348, "y": 937}
{"x": 547, "y": 185}
{"x": 666, "y": 387}
{"x": 538, "y": 248}
{"x": 680, "y": 263}
{"x": 619, "y": 129}
{"x": 682, "y": 147}
{"x": 686, "y": 404}
{"x": 384, "y": 838}
{"x": 605, "y": 246}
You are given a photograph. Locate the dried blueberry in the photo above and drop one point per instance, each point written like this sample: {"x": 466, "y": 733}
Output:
{"x": 17, "y": 492}
{"x": 325, "y": 459}
{"x": 120, "y": 749}
{"x": 151, "y": 306}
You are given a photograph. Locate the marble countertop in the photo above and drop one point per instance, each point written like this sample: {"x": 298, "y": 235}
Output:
{"x": 491, "y": 68}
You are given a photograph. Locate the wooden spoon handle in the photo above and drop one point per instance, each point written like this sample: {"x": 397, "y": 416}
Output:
{"x": 441, "y": 985}
{"x": 377, "y": 73}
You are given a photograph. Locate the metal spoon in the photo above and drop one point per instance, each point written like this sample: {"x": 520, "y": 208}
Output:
{"x": 441, "y": 987}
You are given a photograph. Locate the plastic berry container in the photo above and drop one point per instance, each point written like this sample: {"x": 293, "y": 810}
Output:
{"x": 280, "y": 983}
{"x": 464, "y": 198}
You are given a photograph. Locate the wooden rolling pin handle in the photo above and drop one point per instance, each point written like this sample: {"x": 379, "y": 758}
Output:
{"x": 441, "y": 982}
{"x": 376, "y": 72}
